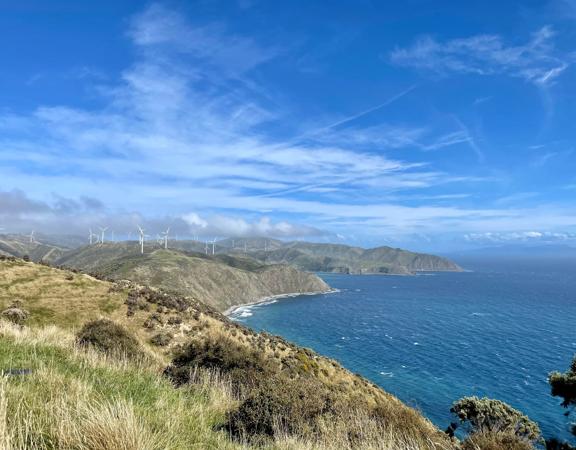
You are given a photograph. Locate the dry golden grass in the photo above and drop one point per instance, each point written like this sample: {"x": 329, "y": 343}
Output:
{"x": 80, "y": 385}
{"x": 56, "y": 296}
{"x": 82, "y": 400}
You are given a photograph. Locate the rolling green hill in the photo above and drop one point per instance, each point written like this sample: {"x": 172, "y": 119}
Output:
{"x": 222, "y": 281}
{"x": 341, "y": 258}
{"x": 20, "y": 246}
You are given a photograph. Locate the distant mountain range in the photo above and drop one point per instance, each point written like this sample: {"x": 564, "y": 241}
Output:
{"x": 221, "y": 281}
{"x": 20, "y": 246}
{"x": 339, "y": 258}
{"x": 311, "y": 257}
{"x": 228, "y": 272}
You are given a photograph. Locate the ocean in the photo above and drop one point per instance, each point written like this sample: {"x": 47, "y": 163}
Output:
{"x": 430, "y": 339}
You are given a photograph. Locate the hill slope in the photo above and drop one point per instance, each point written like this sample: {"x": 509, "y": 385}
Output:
{"x": 148, "y": 312}
{"x": 345, "y": 259}
{"x": 221, "y": 281}
{"x": 19, "y": 246}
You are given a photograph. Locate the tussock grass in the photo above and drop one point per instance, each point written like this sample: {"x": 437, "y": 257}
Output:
{"x": 49, "y": 295}
{"x": 76, "y": 399}
{"x": 83, "y": 400}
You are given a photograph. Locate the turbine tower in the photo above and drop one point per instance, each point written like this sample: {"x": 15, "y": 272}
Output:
{"x": 102, "y": 231}
{"x": 93, "y": 235}
{"x": 206, "y": 246}
{"x": 32, "y": 241}
{"x": 141, "y": 238}
{"x": 213, "y": 244}
{"x": 165, "y": 237}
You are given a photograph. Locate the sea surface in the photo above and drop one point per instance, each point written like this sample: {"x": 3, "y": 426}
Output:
{"x": 430, "y": 339}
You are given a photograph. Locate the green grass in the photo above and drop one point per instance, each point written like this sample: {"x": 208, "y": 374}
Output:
{"x": 69, "y": 390}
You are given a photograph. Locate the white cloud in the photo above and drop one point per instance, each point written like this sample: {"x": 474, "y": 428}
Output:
{"x": 184, "y": 130}
{"x": 220, "y": 225}
{"x": 536, "y": 61}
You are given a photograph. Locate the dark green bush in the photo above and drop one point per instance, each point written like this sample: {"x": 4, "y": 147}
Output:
{"x": 246, "y": 367}
{"x": 281, "y": 404}
{"x": 485, "y": 414}
{"x": 110, "y": 338}
{"x": 564, "y": 386}
{"x": 161, "y": 339}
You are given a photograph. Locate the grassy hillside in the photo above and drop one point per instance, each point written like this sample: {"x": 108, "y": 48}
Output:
{"x": 19, "y": 246}
{"x": 77, "y": 399}
{"x": 346, "y": 259}
{"x": 221, "y": 281}
{"x": 91, "y": 393}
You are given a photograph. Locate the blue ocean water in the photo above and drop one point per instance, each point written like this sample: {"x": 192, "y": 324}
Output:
{"x": 430, "y": 339}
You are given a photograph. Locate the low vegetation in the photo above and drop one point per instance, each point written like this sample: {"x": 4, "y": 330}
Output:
{"x": 563, "y": 385}
{"x": 110, "y": 338}
{"x": 141, "y": 368}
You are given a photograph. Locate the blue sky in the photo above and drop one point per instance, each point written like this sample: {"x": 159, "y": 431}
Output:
{"x": 433, "y": 125}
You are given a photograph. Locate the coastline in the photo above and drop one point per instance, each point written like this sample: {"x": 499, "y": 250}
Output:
{"x": 271, "y": 298}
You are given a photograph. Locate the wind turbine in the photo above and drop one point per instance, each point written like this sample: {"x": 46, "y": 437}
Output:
{"x": 165, "y": 237}
{"x": 141, "y": 239}
{"x": 213, "y": 244}
{"x": 102, "y": 231}
{"x": 32, "y": 241}
{"x": 92, "y": 236}
{"x": 206, "y": 246}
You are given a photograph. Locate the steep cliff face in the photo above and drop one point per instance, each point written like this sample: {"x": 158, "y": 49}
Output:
{"x": 221, "y": 282}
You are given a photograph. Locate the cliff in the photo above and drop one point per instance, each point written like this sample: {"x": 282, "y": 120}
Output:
{"x": 345, "y": 259}
{"x": 221, "y": 281}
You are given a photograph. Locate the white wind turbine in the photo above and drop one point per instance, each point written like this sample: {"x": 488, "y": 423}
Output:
{"x": 165, "y": 237}
{"x": 102, "y": 233}
{"x": 213, "y": 245}
{"x": 32, "y": 241}
{"x": 206, "y": 246}
{"x": 93, "y": 235}
{"x": 141, "y": 238}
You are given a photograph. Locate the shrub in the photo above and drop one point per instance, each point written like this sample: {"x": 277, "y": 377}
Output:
{"x": 485, "y": 414}
{"x": 564, "y": 385}
{"x": 281, "y": 405}
{"x": 174, "y": 320}
{"x": 110, "y": 338}
{"x": 15, "y": 313}
{"x": 153, "y": 321}
{"x": 246, "y": 367}
{"x": 161, "y": 339}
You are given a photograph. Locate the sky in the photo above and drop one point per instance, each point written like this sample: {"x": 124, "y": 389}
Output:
{"x": 427, "y": 124}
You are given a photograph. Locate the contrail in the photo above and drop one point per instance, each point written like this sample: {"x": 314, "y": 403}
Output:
{"x": 354, "y": 117}
{"x": 368, "y": 111}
